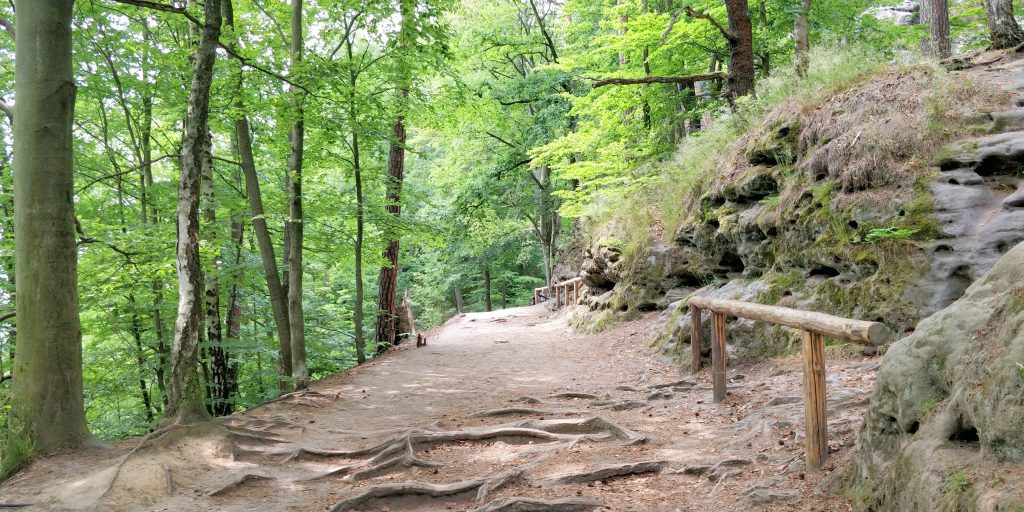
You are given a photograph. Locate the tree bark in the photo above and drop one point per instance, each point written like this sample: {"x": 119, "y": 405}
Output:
{"x": 387, "y": 288}
{"x": 801, "y": 38}
{"x": 1002, "y": 26}
{"x": 300, "y": 372}
{"x": 185, "y": 402}
{"x": 487, "y": 288}
{"x": 460, "y": 304}
{"x": 46, "y": 394}
{"x": 938, "y": 28}
{"x": 741, "y": 49}
{"x": 266, "y": 245}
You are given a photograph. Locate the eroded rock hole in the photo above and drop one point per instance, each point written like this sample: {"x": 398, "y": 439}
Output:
{"x": 714, "y": 223}
{"x": 731, "y": 262}
{"x": 772, "y": 232}
{"x": 824, "y": 271}
{"x": 943, "y": 249}
{"x": 998, "y": 165}
{"x": 853, "y": 224}
{"x": 623, "y": 308}
{"x": 647, "y": 307}
{"x": 914, "y": 427}
{"x": 954, "y": 181}
{"x": 1002, "y": 247}
{"x": 964, "y": 434}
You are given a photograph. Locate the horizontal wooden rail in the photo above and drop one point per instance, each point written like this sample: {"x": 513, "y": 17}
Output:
{"x": 570, "y": 289}
{"x": 858, "y": 331}
{"x": 815, "y": 327}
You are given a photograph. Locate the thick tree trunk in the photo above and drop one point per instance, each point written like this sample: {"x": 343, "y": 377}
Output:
{"x": 266, "y": 245}
{"x": 46, "y": 394}
{"x": 1002, "y": 26}
{"x": 938, "y": 44}
{"x": 186, "y": 399}
{"x": 387, "y": 287}
{"x": 300, "y": 372}
{"x": 487, "y": 288}
{"x": 801, "y": 38}
{"x": 741, "y": 49}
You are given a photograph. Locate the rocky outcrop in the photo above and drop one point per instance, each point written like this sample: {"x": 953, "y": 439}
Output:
{"x": 906, "y": 13}
{"x": 831, "y": 210}
{"x": 945, "y": 428}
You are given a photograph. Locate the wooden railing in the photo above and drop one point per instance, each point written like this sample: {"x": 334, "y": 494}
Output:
{"x": 815, "y": 327}
{"x": 569, "y": 289}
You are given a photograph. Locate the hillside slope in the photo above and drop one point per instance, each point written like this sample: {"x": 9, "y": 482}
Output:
{"x": 882, "y": 202}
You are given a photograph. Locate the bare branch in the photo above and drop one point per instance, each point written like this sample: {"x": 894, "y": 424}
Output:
{"x": 702, "y": 15}
{"x": 8, "y": 26}
{"x": 685, "y": 80}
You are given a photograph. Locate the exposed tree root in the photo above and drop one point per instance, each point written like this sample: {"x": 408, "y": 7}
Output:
{"x": 674, "y": 384}
{"x": 605, "y": 473}
{"x": 482, "y": 487}
{"x": 585, "y": 426}
{"x": 244, "y": 479}
{"x": 520, "y": 504}
{"x": 571, "y": 395}
{"x": 509, "y": 411}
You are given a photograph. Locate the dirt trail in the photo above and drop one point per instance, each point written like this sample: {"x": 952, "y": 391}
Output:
{"x": 502, "y": 411}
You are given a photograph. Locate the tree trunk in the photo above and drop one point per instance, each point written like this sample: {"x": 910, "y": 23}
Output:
{"x": 297, "y": 323}
{"x": 801, "y": 38}
{"x": 219, "y": 381}
{"x": 460, "y": 304}
{"x": 151, "y": 216}
{"x": 741, "y": 49}
{"x": 938, "y": 23}
{"x": 1002, "y": 26}
{"x": 186, "y": 400}
{"x": 46, "y": 394}
{"x": 387, "y": 288}
{"x": 487, "y": 288}
{"x": 266, "y": 245}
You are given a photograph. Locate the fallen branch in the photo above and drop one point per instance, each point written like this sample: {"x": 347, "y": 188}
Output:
{"x": 684, "y": 80}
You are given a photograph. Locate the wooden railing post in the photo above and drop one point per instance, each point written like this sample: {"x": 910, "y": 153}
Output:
{"x": 578, "y": 283}
{"x": 695, "y": 328}
{"x": 718, "y": 356}
{"x": 814, "y": 400}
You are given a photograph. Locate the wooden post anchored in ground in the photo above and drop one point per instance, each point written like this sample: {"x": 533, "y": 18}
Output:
{"x": 718, "y": 356}
{"x": 695, "y": 338}
{"x": 814, "y": 399}
{"x": 814, "y": 327}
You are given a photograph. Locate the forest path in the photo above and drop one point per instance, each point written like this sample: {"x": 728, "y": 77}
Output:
{"x": 501, "y": 410}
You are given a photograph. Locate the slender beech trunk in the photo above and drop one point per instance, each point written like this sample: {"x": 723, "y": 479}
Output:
{"x": 46, "y": 394}
{"x": 149, "y": 215}
{"x": 1002, "y": 26}
{"x": 357, "y": 314}
{"x": 219, "y": 374}
{"x": 186, "y": 399}
{"x": 487, "y": 288}
{"x": 801, "y": 38}
{"x": 741, "y": 49}
{"x": 259, "y": 226}
{"x": 387, "y": 289}
{"x": 300, "y": 372}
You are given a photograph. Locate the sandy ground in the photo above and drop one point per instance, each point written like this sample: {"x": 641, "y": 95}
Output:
{"x": 556, "y": 405}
